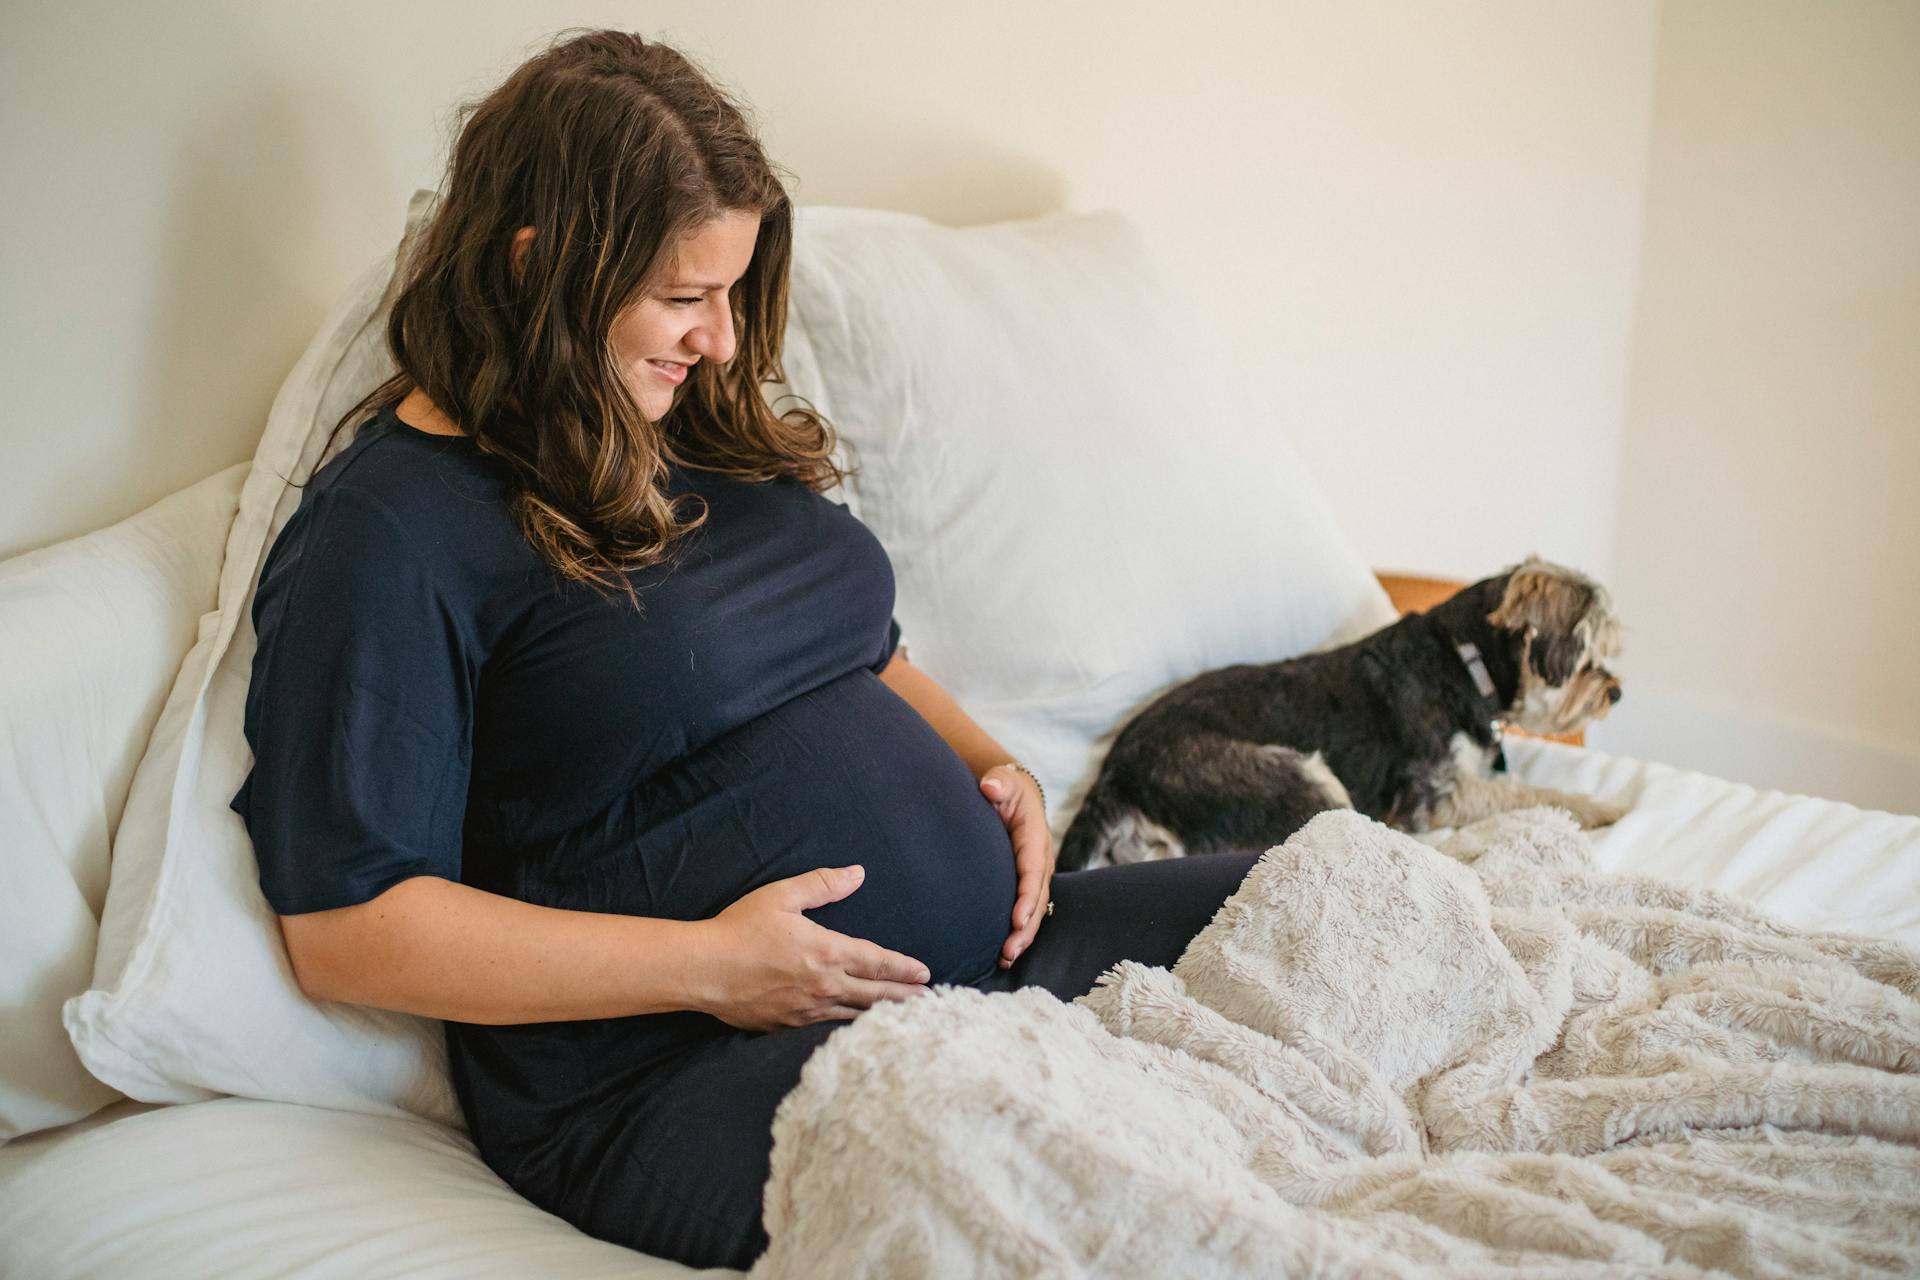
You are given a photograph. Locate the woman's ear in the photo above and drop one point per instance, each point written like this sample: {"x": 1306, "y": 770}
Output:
{"x": 518, "y": 253}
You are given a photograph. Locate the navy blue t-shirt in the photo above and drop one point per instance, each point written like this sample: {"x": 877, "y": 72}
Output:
{"x": 430, "y": 698}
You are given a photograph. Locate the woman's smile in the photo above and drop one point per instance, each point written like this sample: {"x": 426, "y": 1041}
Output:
{"x": 690, "y": 309}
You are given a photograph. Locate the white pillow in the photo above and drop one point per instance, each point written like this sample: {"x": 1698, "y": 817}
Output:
{"x": 193, "y": 995}
{"x": 1082, "y": 501}
{"x": 92, "y": 631}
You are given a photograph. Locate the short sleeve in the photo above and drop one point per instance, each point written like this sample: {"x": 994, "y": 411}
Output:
{"x": 360, "y": 710}
{"x": 887, "y": 650}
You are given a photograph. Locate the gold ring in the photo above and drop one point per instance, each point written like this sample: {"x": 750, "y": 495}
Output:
{"x": 1049, "y": 906}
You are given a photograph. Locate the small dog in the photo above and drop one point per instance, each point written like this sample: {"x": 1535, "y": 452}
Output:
{"x": 1403, "y": 725}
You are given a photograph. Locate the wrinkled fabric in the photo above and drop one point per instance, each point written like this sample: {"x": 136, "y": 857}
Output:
{"x": 1380, "y": 1059}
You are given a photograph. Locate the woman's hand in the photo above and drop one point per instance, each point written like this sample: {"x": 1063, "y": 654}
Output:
{"x": 1018, "y": 803}
{"x": 768, "y": 966}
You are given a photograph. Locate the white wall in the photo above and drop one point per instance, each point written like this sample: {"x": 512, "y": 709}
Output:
{"x": 1420, "y": 225}
{"x": 1418, "y": 222}
{"x": 1768, "y": 535}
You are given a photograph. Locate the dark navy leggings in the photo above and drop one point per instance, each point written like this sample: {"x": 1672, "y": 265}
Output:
{"x": 707, "y": 1133}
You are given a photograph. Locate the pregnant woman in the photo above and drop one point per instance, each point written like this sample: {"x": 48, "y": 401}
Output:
{"x": 579, "y": 716}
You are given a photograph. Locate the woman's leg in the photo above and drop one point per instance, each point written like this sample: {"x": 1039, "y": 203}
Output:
{"x": 1145, "y": 911}
{"x": 679, "y": 1169}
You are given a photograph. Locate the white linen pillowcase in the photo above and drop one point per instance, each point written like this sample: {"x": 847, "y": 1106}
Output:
{"x": 193, "y": 995}
{"x": 1082, "y": 500}
{"x": 92, "y": 632}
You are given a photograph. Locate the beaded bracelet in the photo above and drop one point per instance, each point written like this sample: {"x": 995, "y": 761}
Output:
{"x": 1015, "y": 764}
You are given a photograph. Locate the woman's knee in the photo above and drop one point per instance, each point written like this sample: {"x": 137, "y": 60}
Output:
{"x": 1146, "y": 912}
{"x": 1183, "y": 888}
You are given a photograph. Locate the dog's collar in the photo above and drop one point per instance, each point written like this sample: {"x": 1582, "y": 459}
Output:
{"x": 1483, "y": 681}
{"x": 1477, "y": 668}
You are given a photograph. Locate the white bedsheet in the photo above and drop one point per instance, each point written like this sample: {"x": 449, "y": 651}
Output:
{"x": 1818, "y": 864}
{"x": 240, "y": 1188}
{"x": 254, "y": 1189}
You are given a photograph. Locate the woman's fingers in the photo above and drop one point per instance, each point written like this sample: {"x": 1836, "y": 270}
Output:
{"x": 834, "y": 1013}
{"x": 788, "y": 970}
{"x": 1000, "y": 785}
{"x": 817, "y": 888}
{"x": 874, "y": 974}
{"x": 1029, "y": 908}
{"x": 1033, "y": 855}
{"x": 1027, "y": 893}
{"x": 1018, "y": 941}
{"x": 1033, "y": 858}
{"x": 865, "y": 960}
{"x": 864, "y": 994}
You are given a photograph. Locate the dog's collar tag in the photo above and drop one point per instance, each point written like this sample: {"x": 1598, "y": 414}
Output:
{"x": 1470, "y": 654}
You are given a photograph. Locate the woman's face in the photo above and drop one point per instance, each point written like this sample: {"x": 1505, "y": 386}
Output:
{"x": 689, "y": 318}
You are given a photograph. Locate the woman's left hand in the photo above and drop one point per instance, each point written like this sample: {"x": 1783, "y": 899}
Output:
{"x": 1015, "y": 798}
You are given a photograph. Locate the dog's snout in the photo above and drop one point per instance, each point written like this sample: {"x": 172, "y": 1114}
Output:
{"x": 1613, "y": 693}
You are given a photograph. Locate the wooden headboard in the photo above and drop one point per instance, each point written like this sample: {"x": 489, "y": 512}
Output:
{"x": 1412, "y": 593}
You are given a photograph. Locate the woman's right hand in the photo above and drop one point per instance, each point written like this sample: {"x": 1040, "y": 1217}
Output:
{"x": 769, "y": 966}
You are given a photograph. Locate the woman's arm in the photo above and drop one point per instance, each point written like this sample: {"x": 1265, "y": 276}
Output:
{"x": 446, "y": 950}
{"x": 1013, "y": 794}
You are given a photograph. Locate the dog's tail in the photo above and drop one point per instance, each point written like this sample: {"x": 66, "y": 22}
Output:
{"x": 1091, "y": 834}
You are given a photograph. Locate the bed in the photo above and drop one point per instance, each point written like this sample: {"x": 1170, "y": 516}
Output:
{"x": 175, "y": 1108}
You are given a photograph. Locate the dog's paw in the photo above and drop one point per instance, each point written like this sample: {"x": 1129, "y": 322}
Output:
{"x": 1591, "y": 813}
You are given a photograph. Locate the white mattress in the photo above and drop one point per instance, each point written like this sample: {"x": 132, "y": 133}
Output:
{"x": 254, "y": 1189}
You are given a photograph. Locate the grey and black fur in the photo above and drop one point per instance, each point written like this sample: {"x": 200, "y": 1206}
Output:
{"x": 1394, "y": 725}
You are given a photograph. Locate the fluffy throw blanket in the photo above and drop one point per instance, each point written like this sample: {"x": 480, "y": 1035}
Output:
{"x": 1383, "y": 1059}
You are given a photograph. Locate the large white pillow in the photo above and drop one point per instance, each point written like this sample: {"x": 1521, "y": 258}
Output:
{"x": 192, "y": 992}
{"x": 91, "y": 635}
{"x": 1082, "y": 499}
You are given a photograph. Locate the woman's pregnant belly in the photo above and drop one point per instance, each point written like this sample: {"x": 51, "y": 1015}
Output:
{"x": 848, "y": 773}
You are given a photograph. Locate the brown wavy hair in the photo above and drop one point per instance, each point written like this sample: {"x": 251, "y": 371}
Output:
{"x": 612, "y": 148}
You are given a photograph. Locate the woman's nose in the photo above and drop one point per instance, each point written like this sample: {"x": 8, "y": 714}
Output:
{"x": 714, "y": 339}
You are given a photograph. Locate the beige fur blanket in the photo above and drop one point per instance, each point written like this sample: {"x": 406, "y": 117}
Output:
{"x": 1380, "y": 1059}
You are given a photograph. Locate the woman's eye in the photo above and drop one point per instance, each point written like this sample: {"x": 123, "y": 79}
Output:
{"x": 683, "y": 302}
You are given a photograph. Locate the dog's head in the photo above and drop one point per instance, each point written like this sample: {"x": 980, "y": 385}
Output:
{"x": 1562, "y": 629}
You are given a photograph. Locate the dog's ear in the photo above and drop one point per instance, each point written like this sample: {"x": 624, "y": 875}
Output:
{"x": 1557, "y": 655}
{"x": 1563, "y": 613}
